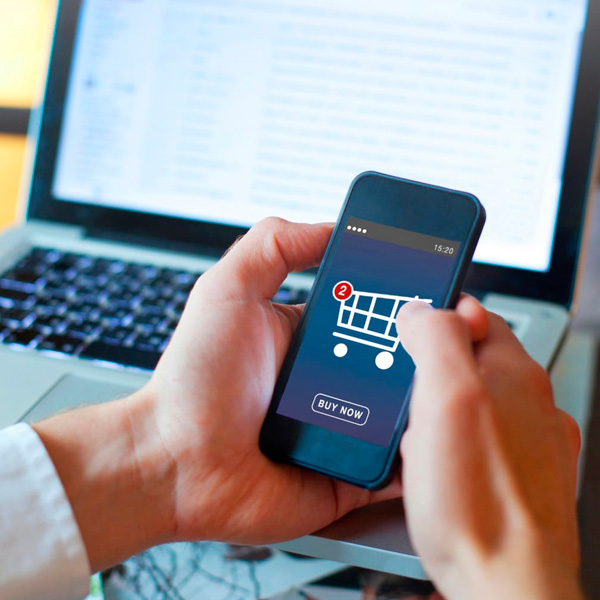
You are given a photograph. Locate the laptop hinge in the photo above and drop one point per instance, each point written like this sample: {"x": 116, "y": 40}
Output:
{"x": 71, "y": 232}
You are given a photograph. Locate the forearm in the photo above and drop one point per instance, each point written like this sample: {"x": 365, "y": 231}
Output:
{"x": 117, "y": 478}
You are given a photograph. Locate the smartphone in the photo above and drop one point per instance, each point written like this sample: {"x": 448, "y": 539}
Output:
{"x": 340, "y": 403}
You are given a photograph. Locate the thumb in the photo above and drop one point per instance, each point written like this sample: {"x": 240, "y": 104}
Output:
{"x": 258, "y": 263}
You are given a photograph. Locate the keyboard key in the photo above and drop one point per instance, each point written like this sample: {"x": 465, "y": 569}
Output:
{"x": 133, "y": 357}
{"x": 85, "y": 263}
{"x": 23, "y": 276}
{"x": 49, "y": 323}
{"x": 100, "y": 266}
{"x": 22, "y": 337}
{"x": 61, "y": 343}
{"x": 127, "y": 298}
{"x": 116, "y": 267}
{"x": 85, "y": 305}
{"x": 119, "y": 314}
{"x": 15, "y": 316}
{"x": 49, "y": 309}
{"x": 150, "y": 342}
{"x": 148, "y": 273}
{"x": 81, "y": 330}
{"x": 37, "y": 255}
{"x": 149, "y": 294}
{"x": 84, "y": 301}
{"x": 117, "y": 335}
{"x": 166, "y": 328}
{"x": 185, "y": 279}
{"x": 113, "y": 288}
{"x": 66, "y": 261}
{"x": 14, "y": 295}
{"x": 148, "y": 319}
{"x": 86, "y": 282}
{"x": 283, "y": 296}
{"x": 134, "y": 270}
{"x": 56, "y": 293}
{"x": 167, "y": 292}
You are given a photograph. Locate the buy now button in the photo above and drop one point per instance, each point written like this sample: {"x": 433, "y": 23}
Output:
{"x": 340, "y": 409}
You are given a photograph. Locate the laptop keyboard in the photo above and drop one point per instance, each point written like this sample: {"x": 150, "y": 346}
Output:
{"x": 96, "y": 308}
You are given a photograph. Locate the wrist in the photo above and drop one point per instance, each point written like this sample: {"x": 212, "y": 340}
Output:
{"x": 116, "y": 476}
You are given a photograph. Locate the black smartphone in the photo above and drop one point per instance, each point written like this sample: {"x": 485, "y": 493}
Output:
{"x": 340, "y": 403}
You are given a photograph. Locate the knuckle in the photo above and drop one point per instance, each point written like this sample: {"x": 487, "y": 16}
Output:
{"x": 269, "y": 225}
{"x": 464, "y": 402}
{"x": 497, "y": 320}
{"x": 527, "y": 376}
{"x": 406, "y": 443}
{"x": 540, "y": 383}
{"x": 572, "y": 430}
{"x": 500, "y": 324}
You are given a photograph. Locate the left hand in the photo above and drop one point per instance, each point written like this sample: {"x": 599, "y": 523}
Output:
{"x": 179, "y": 460}
{"x": 211, "y": 390}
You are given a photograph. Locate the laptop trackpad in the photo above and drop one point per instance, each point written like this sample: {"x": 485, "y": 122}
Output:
{"x": 73, "y": 391}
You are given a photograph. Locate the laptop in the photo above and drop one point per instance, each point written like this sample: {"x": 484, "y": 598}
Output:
{"x": 169, "y": 127}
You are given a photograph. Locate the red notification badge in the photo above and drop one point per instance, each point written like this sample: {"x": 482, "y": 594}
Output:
{"x": 343, "y": 290}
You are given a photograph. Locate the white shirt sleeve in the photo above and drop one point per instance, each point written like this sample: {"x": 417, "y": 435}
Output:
{"x": 42, "y": 556}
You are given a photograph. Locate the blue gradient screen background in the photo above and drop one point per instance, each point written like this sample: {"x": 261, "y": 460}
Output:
{"x": 371, "y": 266}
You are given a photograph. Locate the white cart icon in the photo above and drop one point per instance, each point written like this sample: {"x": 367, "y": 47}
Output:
{"x": 369, "y": 319}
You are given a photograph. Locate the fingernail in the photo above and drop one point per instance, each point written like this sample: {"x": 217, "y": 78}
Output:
{"x": 413, "y": 307}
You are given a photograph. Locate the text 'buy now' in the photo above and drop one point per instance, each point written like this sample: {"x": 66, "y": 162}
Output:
{"x": 337, "y": 408}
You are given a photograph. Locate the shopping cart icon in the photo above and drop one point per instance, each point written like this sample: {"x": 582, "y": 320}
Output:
{"x": 369, "y": 319}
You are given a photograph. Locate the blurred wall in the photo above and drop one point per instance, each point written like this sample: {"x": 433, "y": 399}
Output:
{"x": 24, "y": 28}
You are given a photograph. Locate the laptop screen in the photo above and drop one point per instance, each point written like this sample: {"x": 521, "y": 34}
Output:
{"x": 228, "y": 111}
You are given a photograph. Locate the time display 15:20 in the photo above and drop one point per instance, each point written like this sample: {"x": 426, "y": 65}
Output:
{"x": 443, "y": 249}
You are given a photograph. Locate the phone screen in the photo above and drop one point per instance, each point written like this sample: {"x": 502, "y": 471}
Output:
{"x": 351, "y": 374}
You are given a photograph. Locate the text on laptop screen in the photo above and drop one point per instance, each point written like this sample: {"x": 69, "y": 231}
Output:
{"x": 231, "y": 110}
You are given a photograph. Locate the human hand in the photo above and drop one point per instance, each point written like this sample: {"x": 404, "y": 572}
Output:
{"x": 180, "y": 460}
{"x": 210, "y": 392}
{"x": 489, "y": 464}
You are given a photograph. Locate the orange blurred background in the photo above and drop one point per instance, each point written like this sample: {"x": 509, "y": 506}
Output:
{"x": 24, "y": 38}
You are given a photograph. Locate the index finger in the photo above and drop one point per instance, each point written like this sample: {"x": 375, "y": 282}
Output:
{"x": 440, "y": 345}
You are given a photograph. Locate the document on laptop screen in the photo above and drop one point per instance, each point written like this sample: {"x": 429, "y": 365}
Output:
{"x": 233, "y": 110}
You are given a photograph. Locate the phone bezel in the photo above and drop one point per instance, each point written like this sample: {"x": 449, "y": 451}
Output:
{"x": 410, "y": 205}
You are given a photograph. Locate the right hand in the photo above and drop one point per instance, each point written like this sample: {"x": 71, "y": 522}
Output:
{"x": 489, "y": 464}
